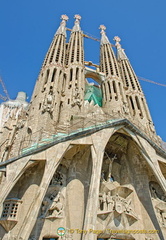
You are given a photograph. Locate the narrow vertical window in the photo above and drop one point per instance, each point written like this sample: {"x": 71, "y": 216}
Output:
{"x": 53, "y": 75}
{"x": 71, "y": 74}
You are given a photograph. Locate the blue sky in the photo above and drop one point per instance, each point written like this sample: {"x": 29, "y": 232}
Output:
{"x": 27, "y": 29}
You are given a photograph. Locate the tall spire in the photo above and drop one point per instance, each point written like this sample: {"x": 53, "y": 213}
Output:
{"x": 56, "y": 50}
{"x": 136, "y": 100}
{"x": 128, "y": 73}
{"x": 47, "y": 93}
{"x": 75, "y": 52}
{"x": 73, "y": 94}
{"x": 108, "y": 61}
{"x": 112, "y": 87}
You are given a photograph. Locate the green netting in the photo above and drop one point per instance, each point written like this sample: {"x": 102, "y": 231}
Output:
{"x": 93, "y": 93}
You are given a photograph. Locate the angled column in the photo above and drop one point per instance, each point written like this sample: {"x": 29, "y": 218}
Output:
{"x": 112, "y": 87}
{"x": 136, "y": 100}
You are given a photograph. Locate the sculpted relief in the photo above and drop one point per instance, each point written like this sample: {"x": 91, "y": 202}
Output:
{"x": 159, "y": 202}
{"x": 108, "y": 203}
{"x": 117, "y": 204}
{"x": 52, "y": 207}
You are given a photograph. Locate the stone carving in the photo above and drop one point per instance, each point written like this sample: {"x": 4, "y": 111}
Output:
{"x": 151, "y": 126}
{"x": 32, "y": 238}
{"x": 108, "y": 203}
{"x": 102, "y": 179}
{"x": 125, "y": 108}
{"x": 153, "y": 191}
{"x": 58, "y": 179}
{"x": 119, "y": 204}
{"x": 111, "y": 160}
{"x": 156, "y": 191}
{"x": 161, "y": 213}
{"x": 52, "y": 207}
{"x": 56, "y": 208}
{"x": 47, "y": 107}
{"x": 45, "y": 205}
{"x": 76, "y": 99}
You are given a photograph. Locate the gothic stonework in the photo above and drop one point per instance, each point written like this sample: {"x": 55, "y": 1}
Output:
{"x": 81, "y": 155}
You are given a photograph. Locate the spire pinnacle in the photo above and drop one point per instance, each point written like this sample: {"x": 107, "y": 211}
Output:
{"x": 104, "y": 39}
{"x": 76, "y": 27}
{"x": 120, "y": 51}
{"x": 62, "y": 27}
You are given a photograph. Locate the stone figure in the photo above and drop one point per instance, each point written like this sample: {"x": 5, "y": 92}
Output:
{"x": 151, "y": 126}
{"x": 100, "y": 201}
{"x": 104, "y": 203}
{"x": 47, "y": 106}
{"x": 110, "y": 202}
{"x": 76, "y": 99}
{"x": 159, "y": 216}
{"x": 128, "y": 207}
{"x": 58, "y": 179}
{"x": 125, "y": 108}
{"x": 163, "y": 198}
{"x": 46, "y": 202}
{"x": 119, "y": 204}
{"x": 56, "y": 208}
{"x": 102, "y": 176}
{"x": 153, "y": 191}
{"x": 111, "y": 160}
{"x": 163, "y": 215}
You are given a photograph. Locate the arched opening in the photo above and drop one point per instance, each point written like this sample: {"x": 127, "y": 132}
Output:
{"x": 124, "y": 176}
{"x": 66, "y": 197}
{"x": 20, "y": 201}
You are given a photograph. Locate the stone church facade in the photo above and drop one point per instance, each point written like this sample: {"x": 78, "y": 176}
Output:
{"x": 82, "y": 160}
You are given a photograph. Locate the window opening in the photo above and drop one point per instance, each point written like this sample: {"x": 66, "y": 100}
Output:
{"x": 10, "y": 209}
{"x": 53, "y": 75}
{"x": 71, "y": 74}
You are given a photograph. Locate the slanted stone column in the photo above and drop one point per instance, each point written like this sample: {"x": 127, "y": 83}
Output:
{"x": 99, "y": 140}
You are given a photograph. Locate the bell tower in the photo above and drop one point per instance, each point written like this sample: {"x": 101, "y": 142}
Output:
{"x": 138, "y": 108}
{"x": 46, "y": 99}
{"x": 112, "y": 87}
{"x": 74, "y": 77}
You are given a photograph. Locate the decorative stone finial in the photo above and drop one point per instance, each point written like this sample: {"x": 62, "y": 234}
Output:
{"x": 64, "y": 17}
{"x": 62, "y": 28}
{"x": 117, "y": 40}
{"x": 120, "y": 51}
{"x": 77, "y": 17}
{"x": 102, "y": 27}
{"x": 76, "y": 27}
{"x": 104, "y": 39}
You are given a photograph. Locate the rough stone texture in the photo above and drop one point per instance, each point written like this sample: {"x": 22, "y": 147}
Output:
{"x": 62, "y": 166}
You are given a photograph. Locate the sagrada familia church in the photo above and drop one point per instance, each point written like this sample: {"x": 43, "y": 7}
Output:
{"x": 82, "y": 160}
